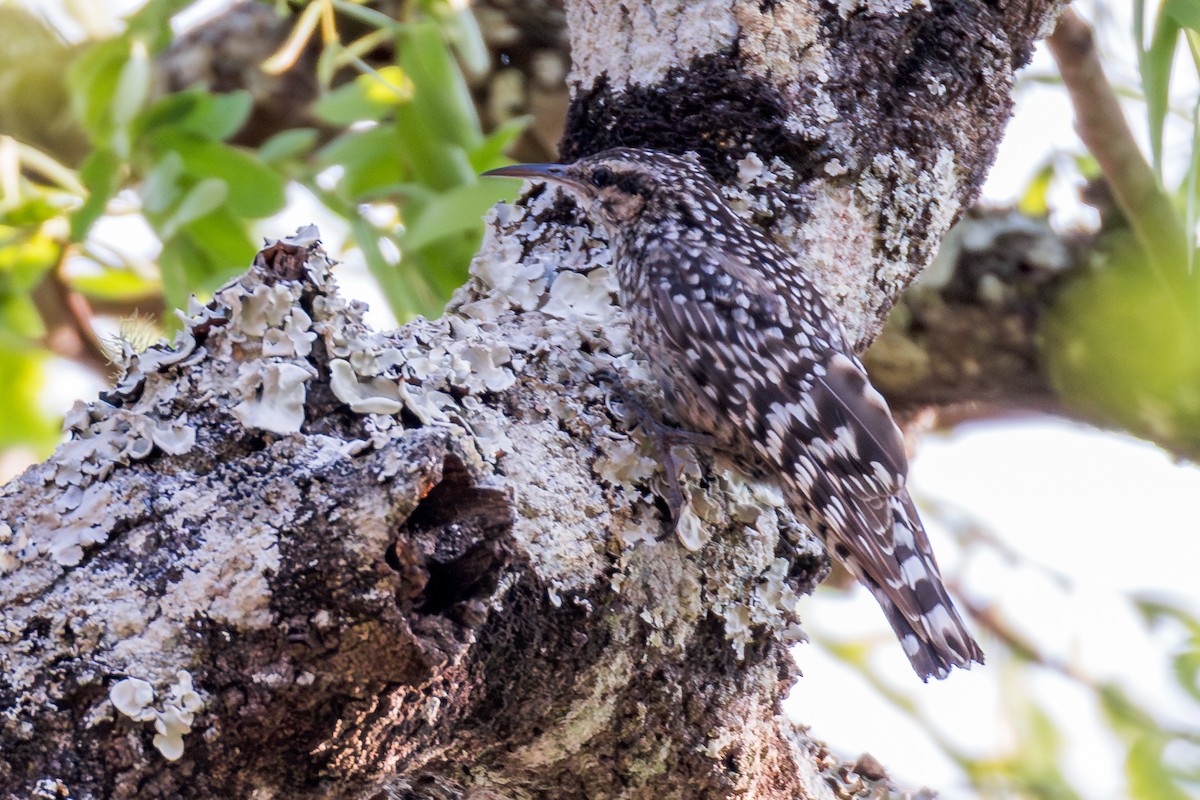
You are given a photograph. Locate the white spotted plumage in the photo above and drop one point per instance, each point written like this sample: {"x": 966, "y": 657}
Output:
{"x": 747, "y": 351}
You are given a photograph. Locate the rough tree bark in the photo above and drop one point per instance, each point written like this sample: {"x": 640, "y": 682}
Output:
{"x": 292, "y": 557}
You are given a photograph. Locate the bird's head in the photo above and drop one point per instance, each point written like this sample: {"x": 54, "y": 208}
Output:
{"x": 618, "y": 187}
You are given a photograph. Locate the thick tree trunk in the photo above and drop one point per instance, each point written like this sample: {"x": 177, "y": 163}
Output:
{"x": 857, "y": 132}
{"x": 298, "y": 558}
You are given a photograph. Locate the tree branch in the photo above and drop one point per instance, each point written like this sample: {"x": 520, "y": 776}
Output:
{"x": 964, "y": 340}
{"x": 1102, "y": 127}
{"x": 398, "y": 552}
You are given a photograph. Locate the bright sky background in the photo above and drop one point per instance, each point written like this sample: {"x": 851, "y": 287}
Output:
{"x": 1110, "y": 514}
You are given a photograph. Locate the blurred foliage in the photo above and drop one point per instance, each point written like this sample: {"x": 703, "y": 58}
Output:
{"x": 1122, "y": 344}
{"x": 87, "y": 138}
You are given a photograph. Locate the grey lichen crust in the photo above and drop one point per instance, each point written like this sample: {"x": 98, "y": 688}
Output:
{"x": 249, "y": 487}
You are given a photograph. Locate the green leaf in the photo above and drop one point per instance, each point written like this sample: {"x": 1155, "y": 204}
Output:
{"x": 398, "y": 292}
{"x": 1148, "y": 776}
{"x": 1191, "y": 187}
{"x": 22, "y": 376}
{"x": 198, "y": 112}
{"x": 100, "y": 173}
{"x": 203, "y": 255}
{"x": 1033, "y": 200}
{"x": 203, "y": 198}
{"x": 31, "y": 211}
{"x": 414, "y": 195}
{"x": 93, "y": 78}
{"x": 444, "y": 265}
{"x": 419, "y": 274}
{"x": 173, "y": 261}
{"x": 1185, "y": 12}
{"x": 1087, "y": 165}
{"x": 1156, "y": 82}
{"x": 468, "y": 41}
{"x": 1122, "y": 344}
{"x": 116, "y": 284}
{"x": 434, "y": 162}
{"x": 224, "y": 115}
{"x": 490, "y": 153}
{"x": 161, "y": 190}
{"x": 287, "y": 145}
{"x": 442, "y": 101}
{"x": 456, "y": 211}
{"x": 19, "y": 316}
{"x": 369, "y": 159}
{"x": 227, "y": 244}
{"x": 26, "y": 256}
{"x": 153, "y": 21}
{"x": 348, "y": 104}
{"x": 255, "y": 190}
{"x": 1186, "y": 663}
{"x": 1186, "y": 667}
{"x": 368, "y": 97}
{"x": 133, "y": 85}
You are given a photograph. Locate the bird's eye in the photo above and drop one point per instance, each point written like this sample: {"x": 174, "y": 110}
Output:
{"x": 601, "y": 177}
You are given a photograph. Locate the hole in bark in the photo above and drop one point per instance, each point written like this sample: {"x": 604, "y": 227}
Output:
{"x": 452, "y": 548}
{"x": 474, "y": 573}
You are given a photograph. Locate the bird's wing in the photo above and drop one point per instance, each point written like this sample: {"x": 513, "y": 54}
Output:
{"x": 803, "y": 399}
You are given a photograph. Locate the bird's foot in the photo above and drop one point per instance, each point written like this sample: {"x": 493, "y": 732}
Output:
{"x": 663, "y": 437}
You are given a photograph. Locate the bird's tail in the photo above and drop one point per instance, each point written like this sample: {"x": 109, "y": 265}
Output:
{"x": 915, "y": 600}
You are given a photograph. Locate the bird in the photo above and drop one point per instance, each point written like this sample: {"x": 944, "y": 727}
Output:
{"x": 749, "y": 353}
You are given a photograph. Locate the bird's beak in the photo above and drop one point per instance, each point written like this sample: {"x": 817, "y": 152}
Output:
{"x": 555, "y": 173}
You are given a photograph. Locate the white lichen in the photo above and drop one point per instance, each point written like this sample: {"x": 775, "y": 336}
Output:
{"x": 371, "y": 396}
{"x": 622, "y": 463}
{"x": 9, "y": 555}
{"x": 781, "y": 45}
{"x": 134, "y": 698}
{"x": 881, "y": 8}
{"x": 625, "y": 42}
{"x": 274, "y": 395}
{"x": 691, "y": 532}
{"x": 131, "y": 697}
{"x": 911, "y": 193}
{"x": 265, "y": 307}
{"x": 586, "y": 297}
{"x": 488, "y": 372}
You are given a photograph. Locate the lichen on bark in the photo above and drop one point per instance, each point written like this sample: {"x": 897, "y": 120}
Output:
{"x": 357, "y": 597}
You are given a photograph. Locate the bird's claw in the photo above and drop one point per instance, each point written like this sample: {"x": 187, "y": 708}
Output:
{"x": 674, "y": 496}
{"x": 664, "y": 438}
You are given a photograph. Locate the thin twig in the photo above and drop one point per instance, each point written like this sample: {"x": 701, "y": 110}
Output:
{"x": 1103, "y": 128}
{"x": 68, "y": 320}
